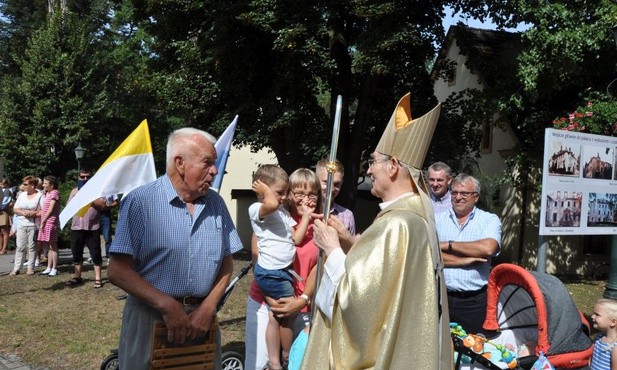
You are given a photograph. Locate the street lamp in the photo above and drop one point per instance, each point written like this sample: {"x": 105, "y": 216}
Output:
{"x": 610, "y": 290}
{"x": 79, "y": 154}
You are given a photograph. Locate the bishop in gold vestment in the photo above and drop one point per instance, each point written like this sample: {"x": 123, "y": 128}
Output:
{"x": 385, "y": 304}
{"x": 386, "y": 314}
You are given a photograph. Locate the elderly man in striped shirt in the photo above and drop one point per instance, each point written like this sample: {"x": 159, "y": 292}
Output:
{"x": 173, "y": 251}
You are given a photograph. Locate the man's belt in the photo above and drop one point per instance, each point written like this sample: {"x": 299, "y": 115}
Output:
{"x": 190, "y": 301}
{"x": 467, "y": 294}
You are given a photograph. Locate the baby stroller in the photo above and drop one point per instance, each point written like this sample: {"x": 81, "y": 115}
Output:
{"x": 531, "y": 313}
{"x": 231, "y": 360}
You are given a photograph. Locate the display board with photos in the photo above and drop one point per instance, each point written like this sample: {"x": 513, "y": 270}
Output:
{"x": 579, "y": 184}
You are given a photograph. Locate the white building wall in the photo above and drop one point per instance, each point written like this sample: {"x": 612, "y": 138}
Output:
{"x": 502, "y": 139}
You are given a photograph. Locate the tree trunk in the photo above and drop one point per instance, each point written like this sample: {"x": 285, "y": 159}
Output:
{"x": 354, "y": 141}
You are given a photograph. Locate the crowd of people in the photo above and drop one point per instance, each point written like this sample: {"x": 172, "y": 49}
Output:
{"x": 30, "y": 213}
{"x": 35, "y": 208}
{"x": 423, "y": 262}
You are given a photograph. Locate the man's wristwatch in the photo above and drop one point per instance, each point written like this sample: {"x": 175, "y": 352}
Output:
{"x": 306, "y": 298}
{"x": 450, "y": 245}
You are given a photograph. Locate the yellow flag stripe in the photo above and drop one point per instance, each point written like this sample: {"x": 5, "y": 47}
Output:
{"x": 134, "y": 144}
{"x": 83, "y": 210}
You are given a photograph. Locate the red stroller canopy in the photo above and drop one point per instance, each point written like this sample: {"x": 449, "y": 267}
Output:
{"x": 519, "y": 300}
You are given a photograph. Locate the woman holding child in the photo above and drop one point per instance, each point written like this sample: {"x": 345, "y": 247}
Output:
{"x": 304, "y": 195}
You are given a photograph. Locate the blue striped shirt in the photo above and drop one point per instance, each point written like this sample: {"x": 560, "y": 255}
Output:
{"x": 177, "y": 253}
{"x": 601, "y": 358}
{"x": 479, "y": 225}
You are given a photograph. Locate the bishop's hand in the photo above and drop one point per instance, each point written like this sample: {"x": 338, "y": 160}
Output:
{"x": 325, "y": 237}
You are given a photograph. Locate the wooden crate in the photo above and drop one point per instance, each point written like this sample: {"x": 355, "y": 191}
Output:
{"x": 190, "y": 357}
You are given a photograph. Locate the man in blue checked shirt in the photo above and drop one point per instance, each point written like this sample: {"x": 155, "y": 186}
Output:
{"x": 172, "y": 252}
{"x": 468, "y": 238}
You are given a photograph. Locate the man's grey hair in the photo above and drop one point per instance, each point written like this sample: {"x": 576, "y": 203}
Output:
{"x": 440, "y": 166}
{"x": 176, "y": 141}
{"x": 464, "y": 178}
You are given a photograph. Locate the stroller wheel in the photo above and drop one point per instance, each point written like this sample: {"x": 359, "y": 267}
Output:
{"x": 233, "y": 361}
{"x": 111, "y": 362}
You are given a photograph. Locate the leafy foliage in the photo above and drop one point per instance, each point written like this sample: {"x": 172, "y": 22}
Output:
{"x": 280, "y": 64}
{"x": 83, "y": 78}
{"x": 48, "y": 111}
{"x": 20, "y": 18}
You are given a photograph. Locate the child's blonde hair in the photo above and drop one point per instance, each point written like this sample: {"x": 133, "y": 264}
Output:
{"x": 610, "y": 305}
{"x": 305, "y": 178}
{"x": 270, "y": 174}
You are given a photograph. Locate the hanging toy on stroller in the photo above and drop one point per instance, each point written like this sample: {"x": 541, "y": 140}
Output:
{"x": 476, "y": 348}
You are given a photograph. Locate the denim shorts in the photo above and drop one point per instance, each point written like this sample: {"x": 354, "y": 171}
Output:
{"x": 274, "y": 283}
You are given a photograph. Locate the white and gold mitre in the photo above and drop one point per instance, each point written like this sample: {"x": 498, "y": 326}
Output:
{"x": 406, "y": 139}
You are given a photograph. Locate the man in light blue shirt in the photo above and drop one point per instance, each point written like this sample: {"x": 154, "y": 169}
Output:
{"x": 172, "y": 251}
{"x": 468, "y": 238}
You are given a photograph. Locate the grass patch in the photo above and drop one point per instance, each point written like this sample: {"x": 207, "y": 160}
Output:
{"x": 49, "y": 325}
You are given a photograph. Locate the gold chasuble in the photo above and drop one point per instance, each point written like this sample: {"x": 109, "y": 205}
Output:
{"x": 388, "y": 303}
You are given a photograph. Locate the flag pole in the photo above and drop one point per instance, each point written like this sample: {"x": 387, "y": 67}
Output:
{"x": 331, "y": 169}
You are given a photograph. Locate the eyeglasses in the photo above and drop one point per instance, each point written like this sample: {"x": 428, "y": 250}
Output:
{"x": 463, "y": 194}
{"x": 301, "y": 195}
{"x": 373, "y": 161}
{"x": 84, "y": 177}
{"x": 25, "y": 184}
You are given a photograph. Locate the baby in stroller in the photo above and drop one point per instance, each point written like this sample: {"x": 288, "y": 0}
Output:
{"x": 531, "y": 314}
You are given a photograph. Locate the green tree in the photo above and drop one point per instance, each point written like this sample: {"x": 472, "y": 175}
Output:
{"x": 280, "y": 65}
{"x": 86, "y": 75}
{"x": 57, "y": 100}
{"x": 20, "y": 18}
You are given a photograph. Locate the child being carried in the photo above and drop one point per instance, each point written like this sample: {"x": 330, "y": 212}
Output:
{"x": 276, "y": 240}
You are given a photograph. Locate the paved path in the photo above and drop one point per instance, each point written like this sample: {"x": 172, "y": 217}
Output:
{"x": 64, "y": 258}
{"x": 12, "y": 362}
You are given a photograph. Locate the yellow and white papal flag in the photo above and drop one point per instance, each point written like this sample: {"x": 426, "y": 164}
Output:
{"x": 130, "y": 165}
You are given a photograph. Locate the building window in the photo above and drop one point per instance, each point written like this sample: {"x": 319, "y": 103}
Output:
{"x": 452, "y": 75}
{"x": 487, "y": 138}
